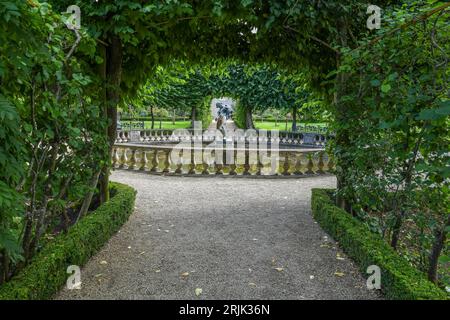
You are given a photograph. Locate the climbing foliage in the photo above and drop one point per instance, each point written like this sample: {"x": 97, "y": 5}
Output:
{"x": 397, "y": 152}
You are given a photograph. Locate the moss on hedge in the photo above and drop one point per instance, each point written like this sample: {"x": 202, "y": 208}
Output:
{"x": 399, "y": 280}
{"x": 46, "y": 274}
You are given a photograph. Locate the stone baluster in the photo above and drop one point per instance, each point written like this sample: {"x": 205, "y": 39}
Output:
{"x": 155, "y": 161}
{"x": 166, "y": 161}
{"x": 192, "y": 163}
{"x": 320, "y": 164}
{"x": 233, "y": 165}
{"x": 115, "y": 158}
{"x": 330, "y": 164}
{"x": 124, "y": 159}
{"x": 310, "y": 165}
{"x": 259, "y": 167}
{"x": 286, "y": 164}
{"x": 205, "y": 167}
{"x": 179, "y": 169}
{"x": 298, "y": 165}
{"x": 144, "y": 160}
{"x": 133, "y": 160}
{"x": 218, "y": 167}
{"x": 247, "y": 164}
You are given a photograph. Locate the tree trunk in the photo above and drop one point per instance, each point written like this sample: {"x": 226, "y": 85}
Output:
{"x": 249, "y": 119}
{"x": 4, "y": 267}
{"x": 114, "y": 57}
{"x": 193, "y": 116}
{"x": 152, "y": 116}
{"x": 407, "y": 174}
{"x": 342, "y": 137}
{"x": 88, "y": 197}
{"x": 438, "y": 244}
{"x": 103, "y": 180}
{"x": 294, "y": 118}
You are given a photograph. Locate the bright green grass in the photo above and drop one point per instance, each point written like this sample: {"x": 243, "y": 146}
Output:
{"x": 164, "y": 124}
{"x": 187, "y": 124}
{"x": 282, "y": 125}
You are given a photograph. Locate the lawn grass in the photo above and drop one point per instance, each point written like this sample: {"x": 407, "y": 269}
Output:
{"x": 265, "y": 125}
{"x": 164, "y": 124}
{"x": 268, "y": 125}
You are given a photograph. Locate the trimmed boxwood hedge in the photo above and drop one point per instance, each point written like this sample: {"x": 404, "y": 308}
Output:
{"x": 46, "y": 273}
{"x": 399, "y": 280}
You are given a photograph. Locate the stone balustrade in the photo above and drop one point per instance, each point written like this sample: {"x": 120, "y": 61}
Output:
{"x": 163, "y": 136}
{"x": 158, "y": 159}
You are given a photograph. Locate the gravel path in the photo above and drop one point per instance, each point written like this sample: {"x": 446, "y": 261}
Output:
{"x": 232, "y": 238}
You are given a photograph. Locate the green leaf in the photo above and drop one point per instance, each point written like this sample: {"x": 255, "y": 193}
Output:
{"x": 385, "y": 88}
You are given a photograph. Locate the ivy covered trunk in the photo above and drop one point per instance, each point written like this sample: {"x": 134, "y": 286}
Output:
{"x": 114, "y": 59}
{"x": 103, "y": 178}
{"x": 342, "y": 116}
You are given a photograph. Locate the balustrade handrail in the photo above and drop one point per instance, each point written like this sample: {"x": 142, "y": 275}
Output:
{"x": 156, "y": 159}
{"x": 171, "y": 136}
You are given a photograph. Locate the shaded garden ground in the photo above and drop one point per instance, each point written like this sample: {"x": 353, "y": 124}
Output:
{"x": 231, "y": 238}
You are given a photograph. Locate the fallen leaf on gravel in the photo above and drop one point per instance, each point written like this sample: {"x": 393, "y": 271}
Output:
{"x": 251, "y": 284}
{"x": 142, "y": 253}
{"x": 103, "y": 262}
{"x": 198, "y": 291}
{"x": 98, "y": 275}
{"x": 157, "y": 271}
{"x": 279, "y": 269}
{"x": 339, "y": 274}
{"x": 338, "y": 256}
{"x": 185, "y": 274}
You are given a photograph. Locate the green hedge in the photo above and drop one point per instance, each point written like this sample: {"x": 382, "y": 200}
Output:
{"x": 46, "y": 274}
{"x": 399, "y": 280}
